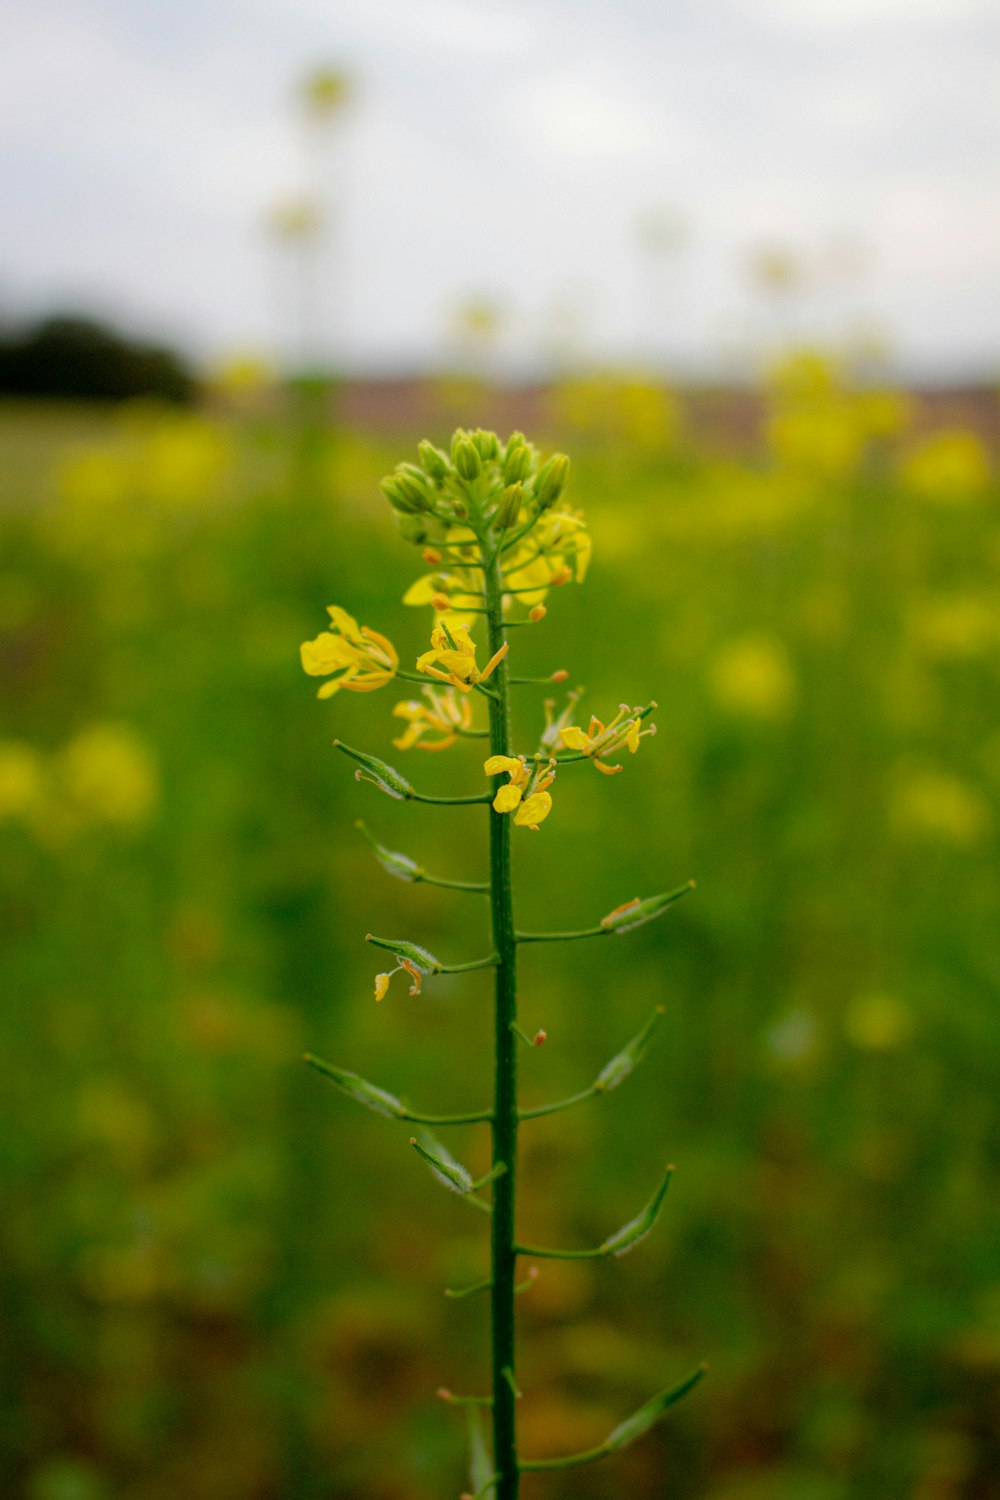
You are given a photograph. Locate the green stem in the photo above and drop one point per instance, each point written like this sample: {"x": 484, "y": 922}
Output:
{"x": 505, "y": 1114}
{"x": 563, "y": 937}
{"x": 479, "y": 888}
{"x": 541, "y": 1110}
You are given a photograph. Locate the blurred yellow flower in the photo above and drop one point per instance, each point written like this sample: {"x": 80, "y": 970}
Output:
{"x": 108, "y": 775}
{"x": 752, "y": 675}
{"x": 21, "y": 779}
{"x": 951, "y": 627}
{"x": 433, "y": 722}
{"x": 878, "y": 1023}
{"x": 455, "y": 651}
{"x": 948, "y": 467}
{"x": 352, "y": 656}
{"x": 937, "y": 806}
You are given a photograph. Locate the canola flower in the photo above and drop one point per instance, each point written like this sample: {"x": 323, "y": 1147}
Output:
{"x": 493, "y": 526}
{"x": 352, "y": 656}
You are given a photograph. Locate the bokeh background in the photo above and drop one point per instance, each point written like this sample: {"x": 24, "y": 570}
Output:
{"x": 737, "y": 258}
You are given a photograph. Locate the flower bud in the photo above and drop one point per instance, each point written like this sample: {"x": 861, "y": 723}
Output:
{"x": 434, "y": 461}
{"x": 399, "y": 496}
{"x": 517, "y": 462}
{"x": 487, "y": 444}
{"x": 509, "y": 507}
{"x": 538, "y": 613}
{"x": 467, "y": 459}
{"x": 550, "y": 481}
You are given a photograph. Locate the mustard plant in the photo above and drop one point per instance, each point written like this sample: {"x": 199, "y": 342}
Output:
{"x": 497, "y": 537}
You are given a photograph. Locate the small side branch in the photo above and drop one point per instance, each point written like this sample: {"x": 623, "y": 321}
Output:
{"x": 626, "y": 1432}
{"x": 623, "y": 1240}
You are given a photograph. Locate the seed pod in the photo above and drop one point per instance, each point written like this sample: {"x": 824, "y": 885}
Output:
{"x": 636, "y": 1229}
{"x": 444, "y": 1166}
{"x": 550, "y": 480}
{"x": 621, "y": 1065}
{"x": 400, "y": 865}
{"x": 359, "y": 1089}
{"x": 634, "y": 913}
{"x": 412, "y": 952}
{"x": 381, "y": 775}
{"x": 633, "y": 1427}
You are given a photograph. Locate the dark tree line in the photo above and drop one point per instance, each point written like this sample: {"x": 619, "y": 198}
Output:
{"x": 66, "y": 356}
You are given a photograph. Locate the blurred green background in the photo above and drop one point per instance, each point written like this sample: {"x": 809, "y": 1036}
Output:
{"x": 219, "y": 1277}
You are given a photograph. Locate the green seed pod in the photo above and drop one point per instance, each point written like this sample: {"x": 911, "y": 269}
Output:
{"x": 641, "y": 1421}
{"x": 359, "y": 1089}
{"x": 435, "y": 462}
{"x": 412, "y": 952}
{"x": 622, "y": 1064}
{"x": 637, "y": 1229}
{"x": 370, "y": 768}
{"x": 550, "y": 481}
{"x": 441, "y": 1162}
{"x": 467, "y": 459}
{"x": 517, "y": 459}
{"x": 635, "y": 913}
{"x": 509, "y": 507}
{"x": 400, "y": 865}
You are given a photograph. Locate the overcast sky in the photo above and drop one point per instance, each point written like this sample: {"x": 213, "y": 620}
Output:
{"x": 510, "y": 150}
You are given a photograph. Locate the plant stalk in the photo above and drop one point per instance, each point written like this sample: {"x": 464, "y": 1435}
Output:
{"x": 505, "y": 1114}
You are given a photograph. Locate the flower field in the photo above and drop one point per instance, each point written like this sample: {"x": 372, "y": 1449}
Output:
{"x": 220, "y": 1279}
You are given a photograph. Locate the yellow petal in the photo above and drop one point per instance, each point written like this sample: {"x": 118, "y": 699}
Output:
{"x": 507, "y": 799}
{"x": 423, "y": 591}
{"x": 533, "y": 810}
{"x": 325, "y": 654}
{"x": 381, "y": 985}
{"x": 574, "y": 738}
{"x": 499, "y": 763}
{"x": 345, "y": 623}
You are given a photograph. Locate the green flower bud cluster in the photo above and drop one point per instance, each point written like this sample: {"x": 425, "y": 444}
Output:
{"x": 477, "y": 479}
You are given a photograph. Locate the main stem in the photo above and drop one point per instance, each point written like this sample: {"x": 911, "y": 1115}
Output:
{"x": 504, "y": 1257}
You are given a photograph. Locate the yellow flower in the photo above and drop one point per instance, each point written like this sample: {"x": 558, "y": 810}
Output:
{"x": 382, "y": 980}
{"x": 752, "y": 676}
{"x": 599, "y": 741}
{"x": 455, "y": 650}
{"x": 442, "y": 714}
{"x": 526, "y": 794}
{"x": 359, "y": 659}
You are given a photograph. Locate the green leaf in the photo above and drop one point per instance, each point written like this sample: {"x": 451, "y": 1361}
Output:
{"x": 633, "y": 1427}
{"x": 622, "y": 1064}
{"x": 637, "y": 1229}
{"x": 417, "y": 956}
{"x": 635, "y": 913}
{"x": 441, "y": 1162}
{"x": 359, "y": 1089}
